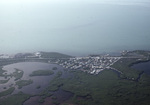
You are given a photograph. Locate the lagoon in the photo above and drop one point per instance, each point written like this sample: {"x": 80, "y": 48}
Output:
{"x": 144, "y": 66}
{"x": 28, "y": 68}
{"x": 39, "y": 84}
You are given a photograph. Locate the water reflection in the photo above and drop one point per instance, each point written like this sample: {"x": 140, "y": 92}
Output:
{"x": 28, "y": 68}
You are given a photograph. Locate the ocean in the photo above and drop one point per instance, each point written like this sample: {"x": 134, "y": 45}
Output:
{"x": 73, "y": 28}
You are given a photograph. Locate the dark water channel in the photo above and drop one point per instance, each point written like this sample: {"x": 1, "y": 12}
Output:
{"x": 144, "y": 66}
{"x": 42, "y": 81}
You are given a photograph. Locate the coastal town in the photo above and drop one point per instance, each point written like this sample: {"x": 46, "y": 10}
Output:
{"x": 92, "y": 65}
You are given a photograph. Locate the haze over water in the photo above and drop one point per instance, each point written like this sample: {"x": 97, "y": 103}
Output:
{"x": 74, "y": 27}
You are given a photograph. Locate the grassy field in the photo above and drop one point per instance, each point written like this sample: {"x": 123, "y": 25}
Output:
{"x": 42, "y": 73}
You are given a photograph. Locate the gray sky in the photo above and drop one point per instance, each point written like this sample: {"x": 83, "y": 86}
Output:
{"x": 73, "y": 26}
{"x": 123, "y": 2}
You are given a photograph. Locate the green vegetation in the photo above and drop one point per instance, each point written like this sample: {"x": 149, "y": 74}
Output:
{"x": 106, "y": 88}
{"x": 42, "y": 73}
{"x": 53, "y": 55}
{"x": 16, "y": 99}
{"x": 133, "y": 57}
{"x": 123, "y": 65}
{"x": 54, "y": 86}
{"x": 83, "y": 84}
{"x": 7, "y": 92}
{"x": 4, "y": 81}
{"x": 45, "y": 94}
{"x": 22, "y": 83}
{"x": 17, "y": 74}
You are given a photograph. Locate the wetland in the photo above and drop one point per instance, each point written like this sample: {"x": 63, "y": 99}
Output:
{"x": 31, "y": 78}
{"x": 32, "y": 83}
